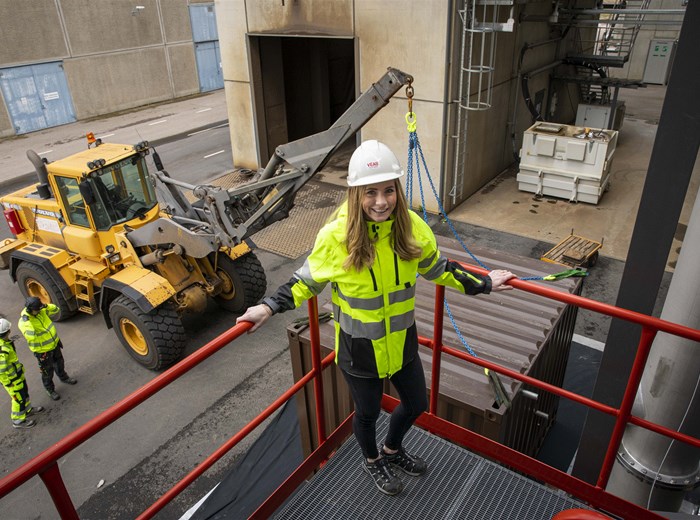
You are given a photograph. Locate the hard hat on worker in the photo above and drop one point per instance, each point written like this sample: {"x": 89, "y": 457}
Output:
{"x": 373, "y": 162}
{"x": 5, "y": 326}
{"x": 33, "y": 303}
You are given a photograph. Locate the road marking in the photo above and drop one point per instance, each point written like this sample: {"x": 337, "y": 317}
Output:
{"x": 157, "y": 122}
{"x": 207, "y": 129}
{"x": 213, "y": 154}
{"x": 203, "y": 110}
{"x": 103, "y": 136}
{"x": 198, "y": 132}
{"x": 43, "y": 153}
{"x": 589, "y": 342}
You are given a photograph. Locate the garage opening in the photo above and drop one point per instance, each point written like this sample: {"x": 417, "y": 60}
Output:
{"x": 301, "y": 85}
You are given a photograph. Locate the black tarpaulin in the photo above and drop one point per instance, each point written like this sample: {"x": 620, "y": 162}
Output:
{"x": 268, "y": 462}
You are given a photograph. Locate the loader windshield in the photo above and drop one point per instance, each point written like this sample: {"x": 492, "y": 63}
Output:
{"x": 122, "y": 192}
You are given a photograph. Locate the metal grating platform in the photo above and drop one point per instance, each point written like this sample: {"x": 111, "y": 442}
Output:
{"x": 295, "y": 235}
{"x": 458, "y": 485}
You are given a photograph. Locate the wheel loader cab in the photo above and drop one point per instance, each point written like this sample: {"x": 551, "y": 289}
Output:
{"x": 118, "y": 193}
{"x": 99, "y": 191}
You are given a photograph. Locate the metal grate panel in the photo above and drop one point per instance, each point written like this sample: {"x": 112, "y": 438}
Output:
{"x": 295, "y": 235}
{"x": 458, "y": 485}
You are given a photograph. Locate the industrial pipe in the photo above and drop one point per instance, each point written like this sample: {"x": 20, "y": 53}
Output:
{"x": 652, "y": 470}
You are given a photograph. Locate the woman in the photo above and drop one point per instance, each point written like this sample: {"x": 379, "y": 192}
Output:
{"x": 371, "y": 254}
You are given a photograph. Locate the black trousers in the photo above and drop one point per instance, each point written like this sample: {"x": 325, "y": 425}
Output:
{"x": 50, "y": 362}
{"x": 367, "y": 396}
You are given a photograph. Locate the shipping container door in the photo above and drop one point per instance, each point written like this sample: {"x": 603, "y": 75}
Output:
{"x": 37, "y": 97}
{"x": 206, "y": 47}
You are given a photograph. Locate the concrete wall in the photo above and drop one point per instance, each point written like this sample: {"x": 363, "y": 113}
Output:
{"x": 30, "y": 32}
{"x": 403, "y": 44}
{"x": 421, "y": 38}
{"x": 379, "y": 45}
{"x": 113, "y": 60}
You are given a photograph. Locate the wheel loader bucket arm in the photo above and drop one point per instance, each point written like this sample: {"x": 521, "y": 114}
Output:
{"x": 237, "y": 213}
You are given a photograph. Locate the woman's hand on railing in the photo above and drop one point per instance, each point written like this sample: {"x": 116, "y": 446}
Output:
{"x": 257, "y": 315}
{"x": 498, "y": 279}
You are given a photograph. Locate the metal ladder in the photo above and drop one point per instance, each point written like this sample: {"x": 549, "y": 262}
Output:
{"x": 478, "y": 55}
{"x": 85, "y": 294}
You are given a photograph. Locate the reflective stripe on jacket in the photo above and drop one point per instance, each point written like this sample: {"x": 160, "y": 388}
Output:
{"x": 373, "y": 309}
{"x": 10, "y": 367}
{"x": 39, "y": 330}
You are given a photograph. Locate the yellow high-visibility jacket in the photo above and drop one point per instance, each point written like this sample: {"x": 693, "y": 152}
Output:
{"x": 373, "y": 309}
{"x": 10, "y": 367}
{"x": 39, "y": 330}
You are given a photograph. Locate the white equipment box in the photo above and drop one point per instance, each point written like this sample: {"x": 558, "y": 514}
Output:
{"x": 659, "y": 61}
{"x": 598, "y": 116}
{"x": 569, "y": 162}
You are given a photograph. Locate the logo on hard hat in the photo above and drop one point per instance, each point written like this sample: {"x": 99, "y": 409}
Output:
{"x": 373, "y": 164}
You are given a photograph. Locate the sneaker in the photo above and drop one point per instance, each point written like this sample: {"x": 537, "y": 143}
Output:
{"x": 384, "y": 478}
{"x": 53, "y": 394}
{"x": 24, "y": 424}
{"x": 409, "y": 464}
{"x": 69, "y": 381}
{"x": 35, "y": 409}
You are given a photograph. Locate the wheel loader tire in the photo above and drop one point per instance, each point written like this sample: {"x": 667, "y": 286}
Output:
{"x": 244, "y": 282}
{"x": 155, "y": 339}
{"x": 33, "y": 280}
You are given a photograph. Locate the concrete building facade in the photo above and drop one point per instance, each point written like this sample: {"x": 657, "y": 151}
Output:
{"x": 290, "y": 65}
{"x": 103, "y": 56}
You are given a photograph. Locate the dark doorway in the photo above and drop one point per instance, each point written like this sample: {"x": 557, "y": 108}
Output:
{"x": 300, "y": 86}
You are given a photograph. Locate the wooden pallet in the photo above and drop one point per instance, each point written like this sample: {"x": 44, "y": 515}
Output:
{"x": 574, "y": 251}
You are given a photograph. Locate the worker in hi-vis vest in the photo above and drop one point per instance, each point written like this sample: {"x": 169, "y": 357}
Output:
{"x": 370, "y": 254}
{"x": 12, "y": 378}
{"x": 40, "y": 332}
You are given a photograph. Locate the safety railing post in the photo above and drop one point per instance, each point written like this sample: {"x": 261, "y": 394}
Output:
{"x": 53, "y": 481}
{"x": 437, "y": 347}
{"x": 315, "y": 340}
{"x": 625, "y": 411}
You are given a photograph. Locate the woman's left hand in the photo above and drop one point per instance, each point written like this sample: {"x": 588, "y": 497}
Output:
{"x": 498, "y": 279}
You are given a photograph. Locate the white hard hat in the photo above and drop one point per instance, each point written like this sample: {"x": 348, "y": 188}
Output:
{"x": 372, "y": 163}
{"x": 4, "y": 326}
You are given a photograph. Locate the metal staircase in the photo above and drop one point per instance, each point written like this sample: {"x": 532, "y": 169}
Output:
{"x": 606, "y": 36}
{"x": 609, "y": 44}
{"x": 618, "y": 23}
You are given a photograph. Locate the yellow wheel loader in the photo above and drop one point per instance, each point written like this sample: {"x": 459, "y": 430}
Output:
{"x": 99, "y": 233}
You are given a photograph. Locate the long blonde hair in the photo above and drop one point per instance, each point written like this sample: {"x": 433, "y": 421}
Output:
{"x": 359, "y": 245}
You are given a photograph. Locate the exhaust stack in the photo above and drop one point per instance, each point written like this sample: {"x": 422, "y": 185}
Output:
{"x": 43, "y": 189}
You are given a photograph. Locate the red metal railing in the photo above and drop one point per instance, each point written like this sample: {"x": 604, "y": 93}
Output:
{"x": 45, "y": 464}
